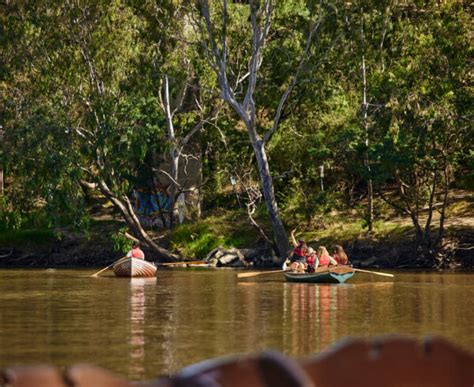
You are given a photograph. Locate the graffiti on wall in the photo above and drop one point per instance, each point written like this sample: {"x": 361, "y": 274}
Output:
{"x": 151, "y": 207}
{"x": 151, "y": 203}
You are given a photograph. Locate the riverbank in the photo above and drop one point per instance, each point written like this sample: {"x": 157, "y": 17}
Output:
{"x": 391, "y": 245}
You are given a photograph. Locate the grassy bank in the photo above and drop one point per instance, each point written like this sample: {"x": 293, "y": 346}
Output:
{"x": 221, "y": 228}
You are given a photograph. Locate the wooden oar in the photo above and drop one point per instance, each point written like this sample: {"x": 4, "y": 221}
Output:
{"x": 374, "y": 272}
{"x": 255, "y": 273}
{"x": 108, "y": 267}
{"x": 182, "y": 263}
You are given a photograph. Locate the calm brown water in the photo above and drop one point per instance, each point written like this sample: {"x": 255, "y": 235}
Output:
{"x": 144, "y": 328}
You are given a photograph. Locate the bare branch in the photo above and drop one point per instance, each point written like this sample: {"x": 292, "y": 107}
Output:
{"x": 169, "y": 177}
{"x": 131, "y": 237}
{"x": 89, "y": 184}
{"x": 258, "y": 39}
{"x": 181, "y": 97}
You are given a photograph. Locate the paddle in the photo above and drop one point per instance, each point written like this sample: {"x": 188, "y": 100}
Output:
{"x": 374, "y": 272}
{"x": 255, "y": 273}
{"x": 183, "y": 263}
{"x": 108, "y": 267}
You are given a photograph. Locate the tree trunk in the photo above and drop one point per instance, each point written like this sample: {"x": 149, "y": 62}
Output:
{"x": 126, "y": 208}
{"x": 370, "y": 205}
{"x": 1, "y": 166}
{"x": 370, "y": 190}
{"x": 1, "y": 180}
{"x": 174, "y": 169}
{"x": 279, "y": 232}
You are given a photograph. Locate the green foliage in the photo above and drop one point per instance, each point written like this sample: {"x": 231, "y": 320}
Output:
{"x": 79, "y": 101}
{"x": 196, "y": 240}
{"x": 120, "y": 242}
{"x": 220, "y": 228}
{"x": 303, "y": 205}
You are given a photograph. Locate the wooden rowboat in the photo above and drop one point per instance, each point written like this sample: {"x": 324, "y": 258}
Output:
{"x": 325, "y": 274}
{"x": 134, "y": 267}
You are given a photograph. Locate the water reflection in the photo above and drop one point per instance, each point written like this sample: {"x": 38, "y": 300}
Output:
{"x": 154, "y": 328}
{"x": 313, "y": 312}
{"x": 138, "y": 305}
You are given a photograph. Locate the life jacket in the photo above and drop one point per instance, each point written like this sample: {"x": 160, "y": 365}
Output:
{"x": 137, "y": 253}
{"x": 299, "y": 251}
{"x": 311, "y": 259}
{"x": 324, "y": 260}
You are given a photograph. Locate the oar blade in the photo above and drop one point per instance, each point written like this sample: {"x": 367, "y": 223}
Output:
{"x": 251, "y": 274}
{"x": 255, "y": 273}
{"x": 374, "y": 272}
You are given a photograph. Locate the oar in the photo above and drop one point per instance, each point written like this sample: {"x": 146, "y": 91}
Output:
{"x": 255, "y": 273}
{"x": 108, "y": 267}
{"x": 182, "y": 263}
{"x": 374, "y": 272}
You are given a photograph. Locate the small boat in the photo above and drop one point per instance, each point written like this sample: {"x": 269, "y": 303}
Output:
{"x": 324, "y": 274}
{"x": 134, "y": 267}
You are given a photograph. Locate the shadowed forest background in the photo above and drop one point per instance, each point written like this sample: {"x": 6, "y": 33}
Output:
{"x": 191, "y": 125}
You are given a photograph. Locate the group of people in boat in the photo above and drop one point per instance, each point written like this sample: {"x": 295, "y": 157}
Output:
{"x": 306, "y": 259}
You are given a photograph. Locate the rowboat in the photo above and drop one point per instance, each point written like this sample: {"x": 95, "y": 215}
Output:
{"x": 134, "y": 267}
{"x": 324, "y": 274}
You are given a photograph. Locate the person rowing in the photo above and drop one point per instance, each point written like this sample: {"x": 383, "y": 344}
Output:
{"x": 136, "y": 252}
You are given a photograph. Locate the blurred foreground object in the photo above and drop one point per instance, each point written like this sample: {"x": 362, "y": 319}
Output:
{"x": 384, "y": 361}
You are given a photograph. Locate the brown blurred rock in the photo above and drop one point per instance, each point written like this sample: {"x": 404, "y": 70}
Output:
{"x": 32, "y": 376}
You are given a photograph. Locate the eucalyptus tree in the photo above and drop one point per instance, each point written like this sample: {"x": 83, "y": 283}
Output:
{"x": 421, "y": 128}
{"x": 37, "y": 166}
{"x": 82, "y": 57}
{"x": 237, "y": 64}
{"x": 173, "y": 74}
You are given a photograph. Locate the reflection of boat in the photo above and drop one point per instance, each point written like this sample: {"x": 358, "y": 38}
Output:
{"x": 324, "y": 274}
{"x": 134, "y": 267}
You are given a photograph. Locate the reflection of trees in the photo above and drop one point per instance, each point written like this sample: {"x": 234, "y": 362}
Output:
{"x": 198, "y": 315}
{"x": 312, "y": 315}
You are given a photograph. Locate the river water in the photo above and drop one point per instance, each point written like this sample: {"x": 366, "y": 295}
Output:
{"x": 143, "y": 328}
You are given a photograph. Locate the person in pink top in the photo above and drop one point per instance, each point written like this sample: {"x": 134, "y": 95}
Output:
{"x": 136, "y": 252}
{"x": 324, "y": 258}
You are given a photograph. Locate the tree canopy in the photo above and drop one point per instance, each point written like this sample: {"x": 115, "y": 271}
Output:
{"x": 312, "y": 105}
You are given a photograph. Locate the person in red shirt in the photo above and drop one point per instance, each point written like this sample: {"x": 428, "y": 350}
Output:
{"x": 136, "y": 252}
{"x": 312, "y": 260}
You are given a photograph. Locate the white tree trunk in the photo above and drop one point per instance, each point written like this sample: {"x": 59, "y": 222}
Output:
{"x": 280, "y": 236}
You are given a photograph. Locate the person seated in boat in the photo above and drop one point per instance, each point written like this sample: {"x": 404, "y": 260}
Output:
{"x": 340, "y": 255}
{"x": 324, "y": 258}
{"x": 312, "y": 260}
{"x": 136, "y": 252}
{"x": 298, "y": 258}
